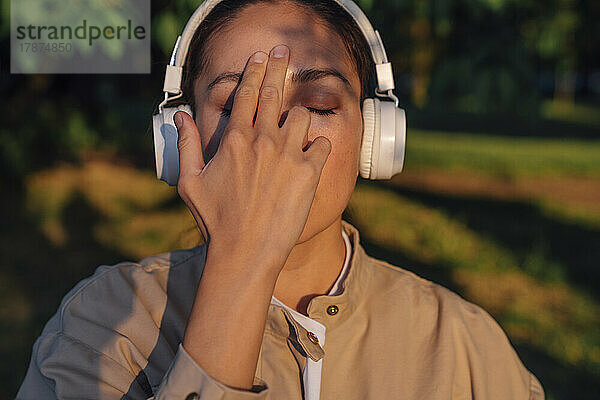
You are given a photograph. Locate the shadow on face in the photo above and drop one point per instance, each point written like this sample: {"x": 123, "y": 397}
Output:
{"x": 321, "y": 76}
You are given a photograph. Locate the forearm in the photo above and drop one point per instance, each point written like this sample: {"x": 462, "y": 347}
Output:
{"x": 225, "y": 329}
{"x": 271, "y": 184}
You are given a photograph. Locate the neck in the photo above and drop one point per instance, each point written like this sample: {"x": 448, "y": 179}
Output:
{"x": 312, "y": 268}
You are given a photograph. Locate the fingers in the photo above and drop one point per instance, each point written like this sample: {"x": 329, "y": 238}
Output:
{"x": 296, "y": 126}
{"x": 262, "y": 87}
{"x": 271, "y": 93}
{"x": 319, "y": 151}
{"x": 191, "y": 160}
{"x": 246, "y": 95}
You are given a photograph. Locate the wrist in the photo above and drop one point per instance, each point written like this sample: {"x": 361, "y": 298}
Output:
{"x": 241, "y": 257}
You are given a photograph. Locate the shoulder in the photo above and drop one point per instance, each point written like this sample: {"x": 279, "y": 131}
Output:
{"x": 113, "y": 290}
{"x": 465, "y": 337}
{"x": 394, "y": 281}
{"x": 121, "y": 307}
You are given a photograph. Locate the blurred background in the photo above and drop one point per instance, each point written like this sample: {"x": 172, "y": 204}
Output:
{"x": 499, "y": 200}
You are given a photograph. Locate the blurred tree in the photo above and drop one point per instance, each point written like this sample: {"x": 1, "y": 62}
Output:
{"x": 483, "y": 67}
{"x": 479, "y": 56}
{"x": 550, "y": 33}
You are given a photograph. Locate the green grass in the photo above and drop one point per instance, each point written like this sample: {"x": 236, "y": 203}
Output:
{"x": 549, "y": 315}
{"x": 529, "y": 261}
{"x": 577, "y": 113}
{"x": 507, "y": 157}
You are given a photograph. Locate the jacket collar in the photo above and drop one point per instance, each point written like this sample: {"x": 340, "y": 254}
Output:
{"x": 354, "y": 286}
{"x": 348, "y": 302}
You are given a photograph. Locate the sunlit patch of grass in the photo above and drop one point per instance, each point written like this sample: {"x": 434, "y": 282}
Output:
{"x": 570, "y": 213}
{"x": 551, "y": 316}
{"x": 15, "y": 307}
{"x": 422, "y": 233}
{"x": 151, "y": 233}
{"x": 112, "y": 189}
{"x": 569, "y": 199}
{"x": 117, "y": 190}
{"x": 130, "y": 202}
{"x": 48, "y": 192}
{"x": 502, "y": 157}
{"x": 569, "y": 111}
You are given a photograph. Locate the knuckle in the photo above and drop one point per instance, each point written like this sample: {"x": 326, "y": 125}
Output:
{"x": 310, "y": 170}
{"x": 236, "y": 134}
{"x": 183, "y": 188}
{"x": 269, "y": 93}
{"x": 264, "y": 143}
{"x": 246, "y": 92}
{"x": 182, "y": 141}
{"x": 316, "y": 168}
{"x": 299, "y": 113}
{"x": 234, "y": 139}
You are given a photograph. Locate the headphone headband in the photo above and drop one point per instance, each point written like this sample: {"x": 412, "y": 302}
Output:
{"x": 174, "y": 73}
{"x": 384, "y": 122}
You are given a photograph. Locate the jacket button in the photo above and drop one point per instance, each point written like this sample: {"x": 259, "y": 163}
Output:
{"x": 313, "y": 338}
{"x": 192, "y": 396}
{"x": 332, "y": 309}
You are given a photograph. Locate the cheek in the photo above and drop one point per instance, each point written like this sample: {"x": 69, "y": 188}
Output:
{"x": 344, "y": 133}
{"x": 340, "y": 171}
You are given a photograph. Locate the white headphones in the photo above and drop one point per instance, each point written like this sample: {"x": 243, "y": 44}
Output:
{"x": 384, "y": 133}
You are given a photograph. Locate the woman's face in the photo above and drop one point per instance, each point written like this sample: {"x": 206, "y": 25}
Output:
{"x": 313, "y": 47}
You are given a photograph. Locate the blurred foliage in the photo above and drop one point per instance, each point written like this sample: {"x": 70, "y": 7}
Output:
{"x": 498, "y": 200}
{"x": 478, "y": 57}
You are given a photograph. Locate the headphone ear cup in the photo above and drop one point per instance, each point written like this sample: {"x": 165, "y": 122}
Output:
{"x": 389, "y": 142}
{"x": 384, "y": 139}
{"x": 371, "y": 121}
{"x": 400, "y": 142}
{"x": 166, "y": 153}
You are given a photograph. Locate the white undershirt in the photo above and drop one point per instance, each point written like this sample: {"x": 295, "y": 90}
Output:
{"x": 312, "y": 371}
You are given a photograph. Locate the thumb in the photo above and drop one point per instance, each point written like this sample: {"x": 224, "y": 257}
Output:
{"x": 191, "y": 160}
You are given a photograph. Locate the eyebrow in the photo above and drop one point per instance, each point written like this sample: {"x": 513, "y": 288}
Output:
{"x": 303, "y": 75}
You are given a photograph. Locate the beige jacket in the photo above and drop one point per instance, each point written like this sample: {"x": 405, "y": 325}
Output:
{"x": 395, "y": 335}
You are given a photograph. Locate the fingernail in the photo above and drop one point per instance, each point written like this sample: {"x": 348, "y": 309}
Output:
{"x": 260, "y": 57}
{"x": 280, "y": 51}
{"x": 178, "y": 120}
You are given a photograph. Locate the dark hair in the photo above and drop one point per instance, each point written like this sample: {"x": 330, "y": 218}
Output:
{"x": 330, "y": 12}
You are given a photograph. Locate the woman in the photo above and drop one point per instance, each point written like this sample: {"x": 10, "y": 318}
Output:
{"x": 247, "y": 314}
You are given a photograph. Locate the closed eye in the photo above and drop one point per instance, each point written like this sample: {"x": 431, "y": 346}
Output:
{"x": 227, "y": 112}
{"x": 322, "y": 112}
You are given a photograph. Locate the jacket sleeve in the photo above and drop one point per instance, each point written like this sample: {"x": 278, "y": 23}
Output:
{"x": 186, "y": 379}
{"x": 35, "y": 385}
{"x": 63, "y": 367}
{"x": 487, "y": 363}
{"x": 536, "y": 392}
